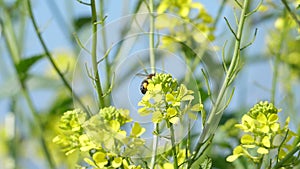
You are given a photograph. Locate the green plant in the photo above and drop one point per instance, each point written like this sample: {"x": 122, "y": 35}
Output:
{"x": 185, "y": 109}
{"x": 264, "y": 135}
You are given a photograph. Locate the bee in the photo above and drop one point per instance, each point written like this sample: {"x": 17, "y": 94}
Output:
{"x": 145, "y": 83}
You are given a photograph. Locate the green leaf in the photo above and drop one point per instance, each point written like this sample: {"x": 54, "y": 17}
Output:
{"x": 25, "y": 64}
{"x": 81, "y": 22}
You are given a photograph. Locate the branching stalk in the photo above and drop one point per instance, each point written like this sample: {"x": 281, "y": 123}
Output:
{"x": 11, "y": 43}
{"x": 49, "y": 56}
{"x": 152, "y": 65}
{"x": 104, "y": 43}
{"x": 216, "y": 114}
{"x": 154, "y": 146}
{"x": 94, "y": 55}
{"x": 151, "y": 36}
{"x": 294, "y": 16}
{"x": 287, "y": 157}
{"x": 276, "y": 65}
{"x": 37, "y": 120}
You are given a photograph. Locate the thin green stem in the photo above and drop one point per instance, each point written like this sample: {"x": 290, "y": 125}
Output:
{"x": 49, "y": 56}
{"x": 276, "y": 65}
{"x": 11, "y": 43}
{"x": 10, "y": 36}
{"x": 175, "y": 162}
{"x": 201, "y": 53}
{"x": 104, "y": 43}
{"x": 154, "y": 146}
{"x": 258, "y": 166}
{"x": 220, "y": 10}
{"x": 152, "y": 65}
{"x": 287, "y": 157}
{"x": 216, "y": 113}
{"x": 151, "y": 36}
{"x": 294, "y": 16}
{"x": 94, "y": 55}
{"x": 275, "y": 78}
{"x": 40, "y": 128}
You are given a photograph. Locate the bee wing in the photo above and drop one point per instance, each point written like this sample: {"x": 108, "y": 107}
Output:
{"x": 141, "y": 75}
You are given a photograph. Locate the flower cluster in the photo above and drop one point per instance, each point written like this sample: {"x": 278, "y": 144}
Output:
{"x": 71, "y": 124}
{"x": 101, "y": 137}
{"x": 182, "y": 155}
{"x": 165, "y": 99}
{"x": 262, "y": 133}
{"x": 107, "y": 160}
{"x": 288, "y": 53}
{"x": 65, "y": 61}
{"x": 194, "y": 23}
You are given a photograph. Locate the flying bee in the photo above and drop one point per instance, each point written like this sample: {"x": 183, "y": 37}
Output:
{"x": 145, "y": 82}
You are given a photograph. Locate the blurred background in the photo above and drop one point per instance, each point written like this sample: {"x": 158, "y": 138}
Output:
{"x": 270, "y": 67}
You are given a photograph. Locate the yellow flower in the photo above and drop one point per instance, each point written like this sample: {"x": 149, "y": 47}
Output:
{"x": 100, "y": 159}
{"x": 65, "y": 61}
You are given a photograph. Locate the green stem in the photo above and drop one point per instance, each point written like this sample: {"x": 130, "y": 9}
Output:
{"x": 49, "y": 56}
{"x": 276, "y": 65}
{"x": 220, "y": 10}
{"x": 205, "y": 44}
{"x": 260, "y": 162}
{"x": 274, "y": 80}
{"x": 94, "y": 55}
{"x": 287, "y": 157}
{"x": 154, "y": 147}
{"x": 216, "y": 112}
{"x": 152, "y": 65}
{"x": 35, "y": 114}
{"x": 104, "y": 43}
{"x": 10, "y": 38}
{"x": 293, "y": 15}
{"x": 175, "y": 162}
{"x": 151, "y": 36}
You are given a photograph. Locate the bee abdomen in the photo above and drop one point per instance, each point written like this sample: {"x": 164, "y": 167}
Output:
{"x": 143, "y": 86}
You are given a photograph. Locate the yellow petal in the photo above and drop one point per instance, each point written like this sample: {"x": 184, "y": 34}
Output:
{"x": 174, "y": 120}
{"x": 266, "y": 141}
{"x": 232, "y": 158}
{"x": 262, "y": 150}
{"x": 137, "y": 130}
{"x": 247, "y": 139}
